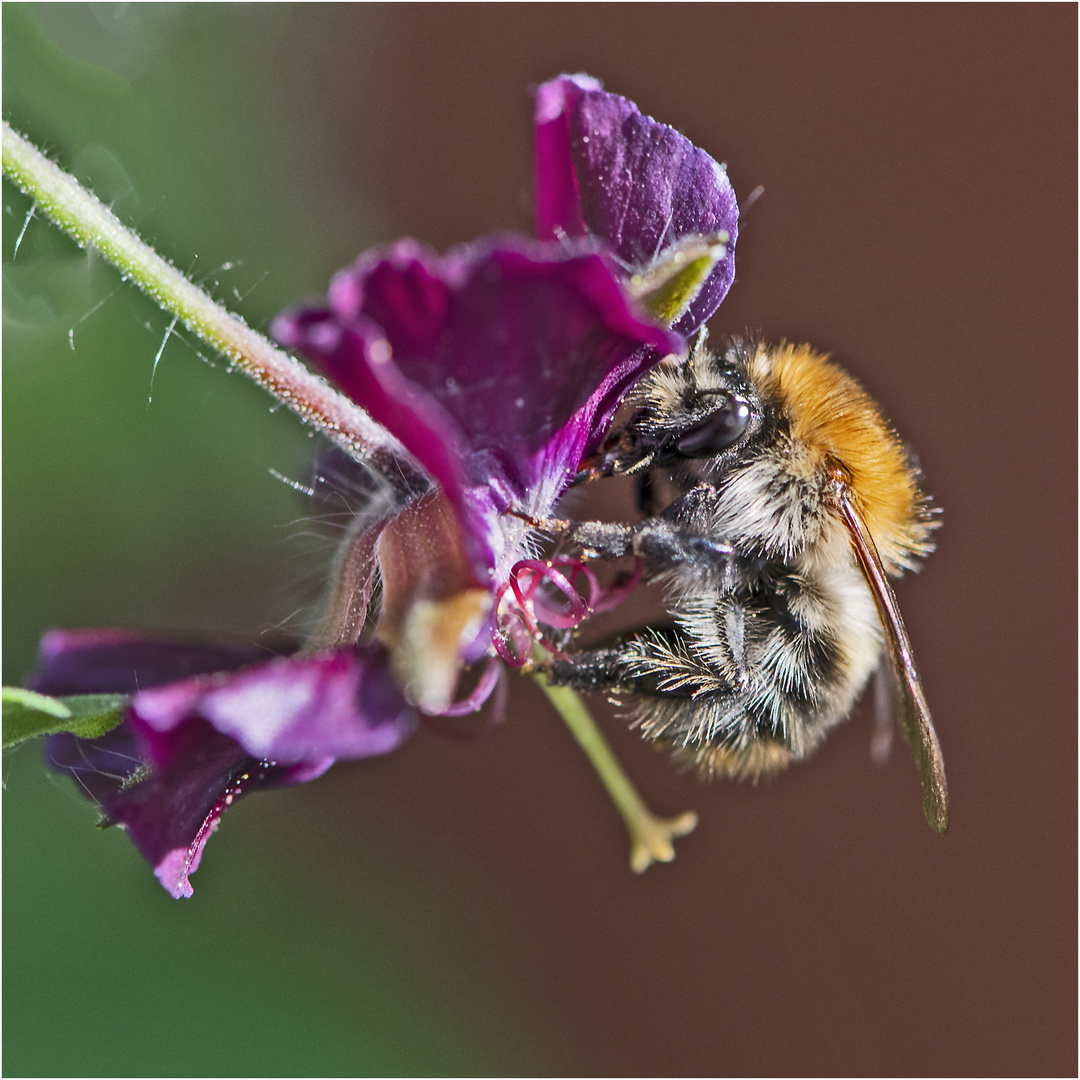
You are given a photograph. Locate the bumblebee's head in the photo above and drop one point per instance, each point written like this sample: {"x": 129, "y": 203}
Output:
{"x": 701, "y": 409}
{"x": 768, "y": 425}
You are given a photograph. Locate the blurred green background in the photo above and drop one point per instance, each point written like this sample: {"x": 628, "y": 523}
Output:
{"x": 465, "y": 907}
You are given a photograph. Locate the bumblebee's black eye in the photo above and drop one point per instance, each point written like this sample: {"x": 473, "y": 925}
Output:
{"x": 723, "y": 427}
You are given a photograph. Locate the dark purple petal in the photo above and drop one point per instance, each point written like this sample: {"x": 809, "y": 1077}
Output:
{"x": 171, "y": 812}
{"x": 99, "y": 766}
{"x": 494, "y": 364}
{"x": 189, "y": 749}
{"x": 507, "y": 340}
{"x": 356, "y": 356}
{"x": 604, "y": 169}
{"x": 123, "y": 661}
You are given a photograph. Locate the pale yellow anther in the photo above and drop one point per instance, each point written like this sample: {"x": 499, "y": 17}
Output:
{"x": 427, "y": 654}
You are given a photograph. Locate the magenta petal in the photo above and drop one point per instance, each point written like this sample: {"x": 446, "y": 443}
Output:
{"x": 558, "y": 196}
{"x": 481, "y": 356}
{"x": 494, "y": 365}
{"x": 604, "y": 168}
{"x": 343, "y": 704}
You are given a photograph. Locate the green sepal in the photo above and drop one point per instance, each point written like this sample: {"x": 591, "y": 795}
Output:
{"x": 671, "y": 284}
{"x": 27, "y": 714}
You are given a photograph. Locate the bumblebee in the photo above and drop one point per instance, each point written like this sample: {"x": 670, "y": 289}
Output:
{"x": 794, "y": 504}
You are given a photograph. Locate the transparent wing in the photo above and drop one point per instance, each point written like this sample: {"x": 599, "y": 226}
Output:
{"x": 912, "y": 710}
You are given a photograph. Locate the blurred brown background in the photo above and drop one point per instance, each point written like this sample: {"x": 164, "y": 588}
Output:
{"x": 919, "y": 222}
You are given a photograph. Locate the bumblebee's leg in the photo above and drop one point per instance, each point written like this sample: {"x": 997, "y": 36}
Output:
{"x": 659, "y": 542}
{"x": 613, "y": 667}
{"x": 593, "y": 669}
{"x": 707, "y": 731}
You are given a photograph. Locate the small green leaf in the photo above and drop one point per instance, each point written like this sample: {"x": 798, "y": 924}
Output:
{"x": 27, "y": 714}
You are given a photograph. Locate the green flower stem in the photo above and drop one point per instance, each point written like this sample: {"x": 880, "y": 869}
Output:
{"x": 92, "y": 224}
{"x": 651, "y": 837}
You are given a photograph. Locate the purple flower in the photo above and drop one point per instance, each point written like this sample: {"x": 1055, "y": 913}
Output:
{"x": 189, "y": 749}
{"x": 603, "y": 169}
{"x": 493, "y": 365}
{"x": 497, "y": 367}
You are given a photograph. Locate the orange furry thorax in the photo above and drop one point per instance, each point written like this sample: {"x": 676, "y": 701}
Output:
{"x": 830, "y": 415}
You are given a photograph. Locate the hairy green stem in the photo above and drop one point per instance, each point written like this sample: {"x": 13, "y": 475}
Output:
{"x": 92, "y": 224}
{"x": 651, "y": 837}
